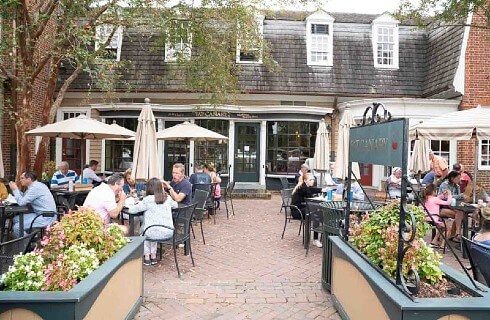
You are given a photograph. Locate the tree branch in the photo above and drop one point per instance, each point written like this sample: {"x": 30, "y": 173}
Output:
{"x": 25, "y": 12}
{"x": 41, "y": 66}
{"x": 49, "y": 11}
{"x": 63, "y": 89}
{"x": 8, "y": 74}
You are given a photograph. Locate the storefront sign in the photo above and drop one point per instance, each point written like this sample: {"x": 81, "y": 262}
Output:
{"x": 212, "y": 114}
{"x": 380, "y": 143}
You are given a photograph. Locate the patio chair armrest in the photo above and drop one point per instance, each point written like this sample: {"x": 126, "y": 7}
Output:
{"x": 156, "y": 225}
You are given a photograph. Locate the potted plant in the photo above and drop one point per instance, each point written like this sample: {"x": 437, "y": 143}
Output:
{"x": 363, "y": 271}
{"x": 80, "y": 269}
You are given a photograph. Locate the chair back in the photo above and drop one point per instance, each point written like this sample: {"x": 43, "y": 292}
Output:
{"x": 315, "y": 210}
{"x": 479, "y": 256}
{"x": 200, "y": 197}
{"x": 284, "y": 182}
{"x": 11, "y": 248}
{"x": 229, "y": 188}
{"x": 182, "y": 222}
{"x": 286, "y": 195}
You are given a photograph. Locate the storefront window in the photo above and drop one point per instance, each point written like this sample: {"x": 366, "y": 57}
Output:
{"x": 119, "y": 153}
{"x": 215, "y": 152}
{"x": 289, "y": 144}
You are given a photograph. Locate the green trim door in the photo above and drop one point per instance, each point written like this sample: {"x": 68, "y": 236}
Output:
{"x": 247, "y": 152}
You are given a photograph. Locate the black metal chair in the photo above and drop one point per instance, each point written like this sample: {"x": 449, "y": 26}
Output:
{"x": 286, "y": 195}
{"x": 209, "y": 205}
{"x": 314, "y": 221}
{"x": 435, "y": 230}
{"x": 479, "y": 256}
{"x": 228, "y": 196}
{"x": 39, "y": 231}
{"x": 182, "y": 230}
{"x": 200, "y": 197}
{"x": 285, "y": 183}
{"x": 11, "y": 248}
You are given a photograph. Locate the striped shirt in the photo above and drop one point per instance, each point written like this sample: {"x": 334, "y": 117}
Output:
{"x": 59, "y": 179}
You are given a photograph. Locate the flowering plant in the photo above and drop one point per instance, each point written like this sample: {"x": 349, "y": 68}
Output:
{"x": 26, "y": 274}
{"x": 70, "y": 250}
{"x": 377, "y": 237}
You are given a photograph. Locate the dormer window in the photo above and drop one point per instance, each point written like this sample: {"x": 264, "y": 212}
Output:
{"x": 179, "y": 42}
{"x": 113, "y": 47}
{"x": 319, "y": 39}
{"x": 385, "y": 42}
{"x": 253, "y": 52}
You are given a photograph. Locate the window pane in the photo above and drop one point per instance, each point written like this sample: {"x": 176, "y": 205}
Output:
{"x": 319, "y": 28}
{"x": 214, "y": 152}
{"x": 119, "y": 153}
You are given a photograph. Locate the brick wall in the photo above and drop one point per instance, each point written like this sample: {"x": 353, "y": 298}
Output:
{"x": 477, "y": 89}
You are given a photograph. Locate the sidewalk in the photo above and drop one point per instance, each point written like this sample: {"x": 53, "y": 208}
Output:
{"x": 245, "y": 271}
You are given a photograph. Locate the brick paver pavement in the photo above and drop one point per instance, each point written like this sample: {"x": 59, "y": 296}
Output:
{"x": 245, "y": 271}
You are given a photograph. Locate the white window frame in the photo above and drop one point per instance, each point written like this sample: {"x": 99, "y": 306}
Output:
{"x": 319, "y": 17}
{"x": 260, "y": 28}
{"x": 171, "y": 52}
{"x": 385, "y": 21}
{"x": 101, "y": 34}
{"x": 480, "y": 155}
{"x": 59, "y": 117}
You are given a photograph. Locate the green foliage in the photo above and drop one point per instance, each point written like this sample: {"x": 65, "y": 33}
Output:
{"x": 377, "y": 237}
{"x": 444, "y": 12}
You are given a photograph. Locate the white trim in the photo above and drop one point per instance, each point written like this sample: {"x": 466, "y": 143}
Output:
{"x": 480, "y": 166}
{"x": 260, "y": 28}
{"x": 263, "y": 151}
{"x": 275, "y": 175}
{"x": 102, "y": 151}
{"x": 385, "y": 21}
{"x": 226, "y": 108}
{"x": 231, "y": 149}
{"x": 458, "y": 81}
{"x": 191, "y": 153}
{"x": 319, "y": 17}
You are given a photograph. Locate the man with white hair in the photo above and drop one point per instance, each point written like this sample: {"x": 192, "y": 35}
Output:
{"x": 62, "y": 177}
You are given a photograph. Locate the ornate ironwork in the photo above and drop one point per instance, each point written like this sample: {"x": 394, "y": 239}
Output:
{"x": 411, "y": 282}
{"x": 374, "y": 117}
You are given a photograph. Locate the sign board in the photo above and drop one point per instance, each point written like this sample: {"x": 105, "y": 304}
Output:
{"x": 380, "y": 143}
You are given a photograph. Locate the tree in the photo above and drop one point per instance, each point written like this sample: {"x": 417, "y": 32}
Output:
{"x": 40, "y": 36}
{"x": 445, "y": 12}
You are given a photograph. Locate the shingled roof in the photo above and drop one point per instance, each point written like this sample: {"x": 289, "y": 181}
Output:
{"x": 427, "y": 61}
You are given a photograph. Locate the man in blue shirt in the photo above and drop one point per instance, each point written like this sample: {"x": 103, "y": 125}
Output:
{"x": 180, "y": 189}
{"x": 429, "y": 178}
{"x": 63, "y": 176}
{"x": 38, "y": 197}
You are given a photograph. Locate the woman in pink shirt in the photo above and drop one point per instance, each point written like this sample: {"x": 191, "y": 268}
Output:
{"x": 433, "y": 205}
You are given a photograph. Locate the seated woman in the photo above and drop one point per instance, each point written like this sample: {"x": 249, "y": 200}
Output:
{"x": 304, "y": 189}
{"x": 433, "y": 204}
{"x": 216, "y": 180}
{"x": 157, "y": 207}
{"x": 451, "y": 183}
{"x": 483, "y": 237}
{"x": 395, "y": 183}
{"x": 130, "y": 186}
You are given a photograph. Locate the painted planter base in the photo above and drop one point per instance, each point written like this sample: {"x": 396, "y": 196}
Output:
{"x": 359, "y": 291}
{"x": 113, "y": 291}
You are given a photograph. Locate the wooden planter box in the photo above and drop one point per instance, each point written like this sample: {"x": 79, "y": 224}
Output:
{"x": 113, "y": 291}
{"x": 359, "y": 291}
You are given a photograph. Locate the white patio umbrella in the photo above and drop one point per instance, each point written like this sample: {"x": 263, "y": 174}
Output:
{"x": 81, "y": 128}
{"x": 146, "y": 163}
{"x": 189, "y": 131}
{"x": 458, "y": 125}
{"x": 321, "y": 162}
{"x": 419, "y": 161}
{"x": 342, "y": 154}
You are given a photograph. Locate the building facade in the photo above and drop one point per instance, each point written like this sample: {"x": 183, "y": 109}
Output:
{"x": 327, "y": 62}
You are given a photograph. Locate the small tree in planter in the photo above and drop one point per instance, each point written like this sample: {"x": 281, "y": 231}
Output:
{"x": 71, "y": 250}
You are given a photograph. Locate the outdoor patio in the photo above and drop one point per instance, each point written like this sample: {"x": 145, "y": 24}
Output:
{"x": 245, "y": 271}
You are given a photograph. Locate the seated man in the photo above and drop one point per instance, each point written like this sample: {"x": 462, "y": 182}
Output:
{"x": 89, "y": 175}
{"x": 180, "y": 189}
{"x": 38, "y": 197}
{"x": 355, "y": 188}
{"x": 199, "y": 177}
{"x": 63, "y": 176}
{"x": 103, "y": 198}
{"x": 429, "y": 178}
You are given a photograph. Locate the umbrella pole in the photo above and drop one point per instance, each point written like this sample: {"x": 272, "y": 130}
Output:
{"x": 475, "y": 170}
{"x": 82, "y": 156}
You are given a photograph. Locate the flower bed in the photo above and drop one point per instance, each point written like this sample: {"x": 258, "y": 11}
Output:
{"x": 70, "y": 250}
{"x": 81, "y": 270}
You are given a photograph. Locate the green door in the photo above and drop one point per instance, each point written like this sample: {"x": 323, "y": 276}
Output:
{"x": 247, "y": 152}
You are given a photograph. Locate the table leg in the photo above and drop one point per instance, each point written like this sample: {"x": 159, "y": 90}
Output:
{"x": 306, "y": 231}
{"x": 465, "y": 234}
{"x": 21, "y": 224}
{"x": 131, "y": 224}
